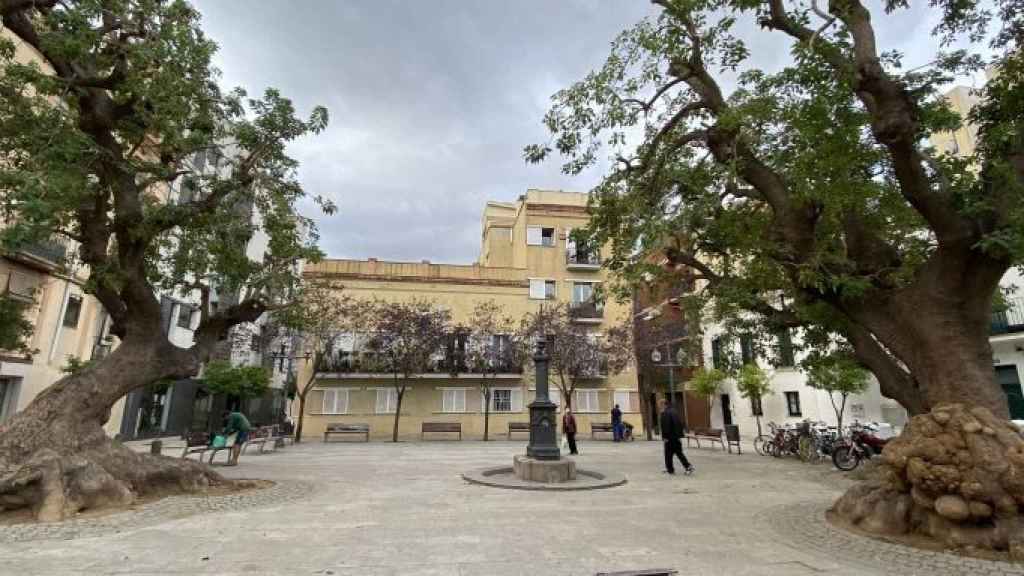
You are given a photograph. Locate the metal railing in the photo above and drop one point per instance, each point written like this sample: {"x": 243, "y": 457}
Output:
{"x": 1011, "y": 319}
{"x": 370, "y": 363}
{"x": 582, "y": 258}
{"x": 586, "y": 311}
{"x": 52, "y": 250}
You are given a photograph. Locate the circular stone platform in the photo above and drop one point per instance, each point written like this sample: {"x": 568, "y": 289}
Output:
{"x": 504, "y": 477}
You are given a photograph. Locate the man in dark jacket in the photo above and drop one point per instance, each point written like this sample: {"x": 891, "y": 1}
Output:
{"x": 671, "y": 435}
{"x": 616, "y": 423}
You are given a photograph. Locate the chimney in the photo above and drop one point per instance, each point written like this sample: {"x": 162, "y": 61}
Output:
{"x": 425, "y": 261}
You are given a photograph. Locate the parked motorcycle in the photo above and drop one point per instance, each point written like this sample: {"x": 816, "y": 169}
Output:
{"x": 862, "y": 444}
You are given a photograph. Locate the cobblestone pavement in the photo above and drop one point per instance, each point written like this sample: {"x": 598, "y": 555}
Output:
{"x": 162, "y": 510}
{"x": 804, "y": 525}
{"x": 382, "y": 509}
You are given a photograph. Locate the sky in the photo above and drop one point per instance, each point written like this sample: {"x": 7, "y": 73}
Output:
{"x": 432, "y": 101}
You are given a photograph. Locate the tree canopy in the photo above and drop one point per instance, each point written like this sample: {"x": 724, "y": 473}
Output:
{"x": 220, "y": 377}
{"x": 808, "y": 195}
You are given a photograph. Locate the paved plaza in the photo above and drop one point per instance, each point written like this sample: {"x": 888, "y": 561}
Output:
{"x": 376, "y": 509}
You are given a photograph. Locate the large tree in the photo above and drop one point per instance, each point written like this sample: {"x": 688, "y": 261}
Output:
{"x": 808, "y": 194}
{"x": 97, "y": 135}
{"x": 406, "y": 338}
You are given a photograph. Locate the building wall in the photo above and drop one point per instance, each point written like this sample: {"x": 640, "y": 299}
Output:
{"x": 459, "y": 288}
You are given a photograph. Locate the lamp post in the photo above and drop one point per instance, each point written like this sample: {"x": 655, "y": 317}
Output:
{"x": 679, "y": 359}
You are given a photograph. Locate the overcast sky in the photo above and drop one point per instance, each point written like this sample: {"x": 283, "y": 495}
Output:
{"x": 432, "y": 101}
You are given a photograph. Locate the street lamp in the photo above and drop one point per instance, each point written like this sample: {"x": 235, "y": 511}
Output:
{"x": 680, "y": 360}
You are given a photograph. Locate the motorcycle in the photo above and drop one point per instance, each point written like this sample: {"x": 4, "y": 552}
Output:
{"x": 861, "y": 445}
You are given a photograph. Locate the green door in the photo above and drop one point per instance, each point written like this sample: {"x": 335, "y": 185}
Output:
{"x": 1008, "y": 378}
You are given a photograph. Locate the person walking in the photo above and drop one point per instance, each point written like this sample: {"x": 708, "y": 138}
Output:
{"x": 671, "y": 435}
{"x": 616, "y": 424}
{"x": 236, "y": 423}
{"x": 569, "y": 428}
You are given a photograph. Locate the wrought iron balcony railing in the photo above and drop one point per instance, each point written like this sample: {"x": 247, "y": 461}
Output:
{"x": 49, "y": 252}
{"x": 586, "y": 311}
{"x": 582, "y": 259}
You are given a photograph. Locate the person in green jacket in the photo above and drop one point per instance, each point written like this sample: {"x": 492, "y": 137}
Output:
{"x": 236, "y": 423}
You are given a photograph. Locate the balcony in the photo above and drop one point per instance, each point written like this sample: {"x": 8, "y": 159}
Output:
{"x": 582, "y": 260}
{"x": 595, "y": 370}
{"x": 588, "y": 312}
{"x": 1010, "y": 320}
{"x": 47, "y": 254}
{"x": 367, "y": 365}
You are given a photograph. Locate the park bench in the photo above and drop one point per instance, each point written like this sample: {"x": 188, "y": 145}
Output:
{"x": 196, "y": 443}
{"x": 342, "y": 429}
{"x": 732, "y": 438}
{"x": 596, "y": 427}
{"x": 280, "y": 437}
{"x": 518, "y": 427}
{"x": 711, "y": 435}
{"x": 258, "y": 437}
{"x": 441, "y": 428}
{"x": 654, "y": 572}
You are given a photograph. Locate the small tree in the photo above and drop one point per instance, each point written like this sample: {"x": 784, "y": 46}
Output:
{"x": 405, "y": 337}
{"x": 707, "y": 382}
{"x": 492, "y": 347}
{"x": 15, "y": 329}
{"x": 753, "y": 383}
{"x": 320, "y": 317}
{"x": 577, "y": 352}
{"x": 220, "y": 377}
{"x": 837, "y": 374}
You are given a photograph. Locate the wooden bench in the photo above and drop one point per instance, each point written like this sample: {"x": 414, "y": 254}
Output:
{"x": 196, "y": 443}
{"x": 441, "y": 428}
{"x": 518, "y": 427}
{"x": 343, "y": 429}
{"x": 596, "y": 427}
{"x": 258, "y": 437}
{"x": 711, "y": 435}
{"x": 280, "y": 437}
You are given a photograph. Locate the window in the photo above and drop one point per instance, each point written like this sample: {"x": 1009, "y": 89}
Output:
{"x": 793, "y": 403}
{"x": 184, "y": 316}
{"x": 502, "y": 400}
{"x": 586, "y": 401}
{"x": 784, "y": 341}
{"x": 335, "y": 401}
{"x": 716, "y": 353}
{"x": 538, "y": 236}
{"x": 505, "y": 400}
{"x": 541, "y": 289}
{"x": 755, "y": 406}
{"x": 582, "y": 292}
{"x": 622, "y": 399}
{"x": 747, "y": 349}
{"x": 387, "y": 400}
{"x": 453, "y": 400}
{"x": 72, "y": 311}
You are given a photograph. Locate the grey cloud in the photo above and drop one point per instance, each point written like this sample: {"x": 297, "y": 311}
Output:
{"x": 431, "y": 102}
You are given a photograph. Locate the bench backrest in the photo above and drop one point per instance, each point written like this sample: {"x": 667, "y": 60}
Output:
{"x": 197, "y": 439}
{"x": 708, "y": 431}
{"x": 442, "y": 427}
{"x": 601, "y": 425}
{"x": 348, "y": 427}
{"x": 518, "y": 425}
{"x": 732, "y": 433}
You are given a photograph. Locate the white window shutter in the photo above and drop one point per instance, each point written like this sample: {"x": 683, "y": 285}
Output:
{"x": 341, "y": 402}
{"x": 328, "y": 407}
{"x": 483, "y": 402}
{"x": 570, "y": 244}
{"x": 382, "y": 400}
{"x": 537, "y": 290}
{"x": 517, "y": 400}
{"x": 460, "y": 400}
{"x": 533, "y": 236}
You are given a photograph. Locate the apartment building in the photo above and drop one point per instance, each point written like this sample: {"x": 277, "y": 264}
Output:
{"x": 527, "y": 258}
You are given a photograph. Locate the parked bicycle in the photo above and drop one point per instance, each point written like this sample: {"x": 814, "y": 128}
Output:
{"x": 862, "y": 444}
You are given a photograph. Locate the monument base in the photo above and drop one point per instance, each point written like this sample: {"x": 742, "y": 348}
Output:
{"x": 548, "y": 471}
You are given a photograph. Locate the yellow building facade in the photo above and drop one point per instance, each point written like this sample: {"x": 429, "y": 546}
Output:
{"x": 527, "y": 258}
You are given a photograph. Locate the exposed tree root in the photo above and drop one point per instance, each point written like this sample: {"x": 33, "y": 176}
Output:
{"x": 57, "y": 486}
{"x": 955, "y": 475}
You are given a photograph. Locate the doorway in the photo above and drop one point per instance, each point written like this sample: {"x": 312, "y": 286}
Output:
{"x": 726, "y": 410}
{"x": 1009, "y": 380}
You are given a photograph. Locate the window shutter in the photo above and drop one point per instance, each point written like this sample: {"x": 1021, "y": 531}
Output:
{"x": 341, "y": 402}
{"x": 537, "y": 289}
{"x": 570, "y": 244}
{"x": 634, "y": 401}
{"x": 533, "y": 236}
{"x": 382, "y": 400}
{"x": 460, "y": 400}
{"x": 622, "y": 398}
{"x": 517, "y": 400}
{"x": 329, "y": 398}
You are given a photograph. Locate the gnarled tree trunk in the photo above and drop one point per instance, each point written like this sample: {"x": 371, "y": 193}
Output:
{"x": 55, "y": 457}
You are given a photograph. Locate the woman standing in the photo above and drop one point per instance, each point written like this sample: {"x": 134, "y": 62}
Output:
{"x": 569, "y": 428}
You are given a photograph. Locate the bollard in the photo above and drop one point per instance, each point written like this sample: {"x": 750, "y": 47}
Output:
{"x": 156, "y": 446}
